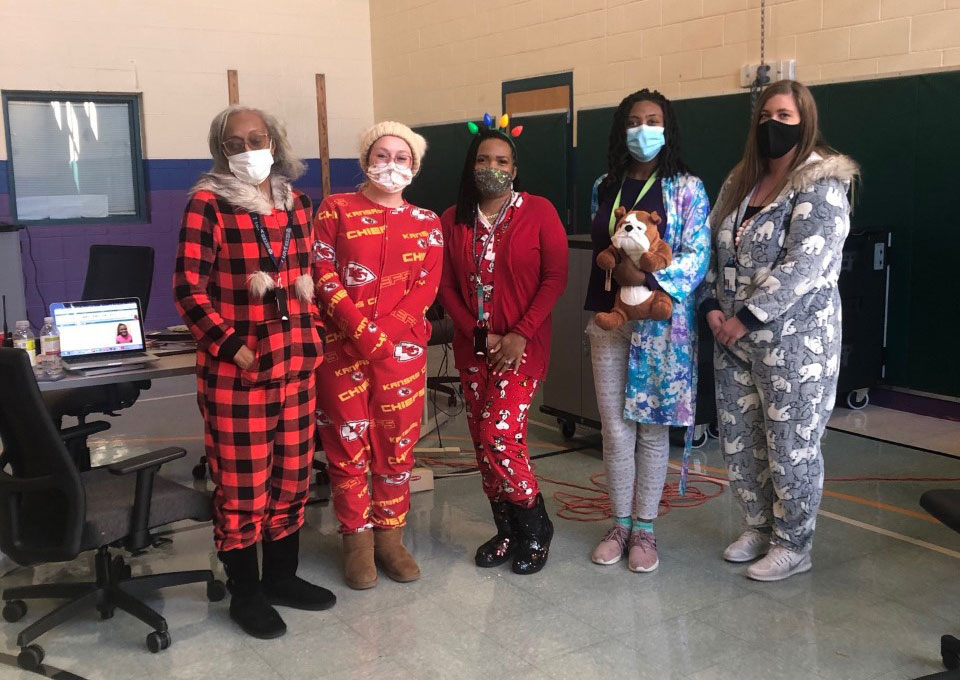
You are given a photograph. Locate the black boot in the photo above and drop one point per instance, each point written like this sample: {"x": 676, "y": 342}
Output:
{"x": 281, "y": 584}
{"x": 534, "y": 531}
{"x": 501, "y": 547}
{"x": 248, "y": 605}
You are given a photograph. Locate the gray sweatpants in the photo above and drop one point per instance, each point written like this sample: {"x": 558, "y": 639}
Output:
{"x": 634, "y": 454}
{"x": 773, "y": 403}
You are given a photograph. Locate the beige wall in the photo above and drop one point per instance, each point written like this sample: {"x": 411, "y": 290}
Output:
{"x": 177, "y": 52}
{"x": 441, "y": 60}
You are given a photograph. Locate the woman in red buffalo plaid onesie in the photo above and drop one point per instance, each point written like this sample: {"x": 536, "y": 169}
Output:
{"x": 243, "y": 287}
{"x": 377, "y": 266}
{"x": 505, "y": 267}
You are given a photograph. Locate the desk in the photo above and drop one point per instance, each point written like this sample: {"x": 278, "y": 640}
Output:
{"x": 164, "y": 367}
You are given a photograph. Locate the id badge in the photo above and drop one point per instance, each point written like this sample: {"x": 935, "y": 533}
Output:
{"x": 480, "y": 341}
{"x": 730, "y": 279}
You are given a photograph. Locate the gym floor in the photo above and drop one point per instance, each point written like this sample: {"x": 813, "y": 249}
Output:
{"x": 883, "y": 589}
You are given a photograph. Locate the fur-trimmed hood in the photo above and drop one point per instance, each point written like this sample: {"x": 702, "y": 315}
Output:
{"x": 817, "y": 167}
{"x": 247, "y": 196}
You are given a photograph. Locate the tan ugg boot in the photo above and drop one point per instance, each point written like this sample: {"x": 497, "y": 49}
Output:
{"x": 393, "y": 557}
{"x": 359, "y": 569}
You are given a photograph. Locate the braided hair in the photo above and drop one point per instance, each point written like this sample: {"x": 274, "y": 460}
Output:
{"x": 669, "y": 161}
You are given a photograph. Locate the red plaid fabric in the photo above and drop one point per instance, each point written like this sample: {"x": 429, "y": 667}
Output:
{"x": 377, "y": 271}
{"x": 497, "y": 410}
{"x": 260, "y": 449}
{"x": 218, "y": 253}
{"x": 259, "y": 423}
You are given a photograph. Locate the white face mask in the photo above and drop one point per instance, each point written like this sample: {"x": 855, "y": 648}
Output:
{"x": 390, "y": 177}
{"x": 251, "y": 167}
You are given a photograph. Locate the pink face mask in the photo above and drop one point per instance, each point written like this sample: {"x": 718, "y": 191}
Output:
{"x": 390, "y": 177}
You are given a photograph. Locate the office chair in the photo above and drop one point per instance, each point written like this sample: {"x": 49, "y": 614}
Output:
{"x": 50, "y": 511}
{"x": 112, "y": 272}
{"x": 442, "y": 334}
{"x": 944, "y": 505}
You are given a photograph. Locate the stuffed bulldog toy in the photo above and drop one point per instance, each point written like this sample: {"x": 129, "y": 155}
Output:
{"x": 636, "y": 241}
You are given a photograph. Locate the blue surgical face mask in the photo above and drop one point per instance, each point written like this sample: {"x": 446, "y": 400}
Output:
{"x": 644, "y": 142}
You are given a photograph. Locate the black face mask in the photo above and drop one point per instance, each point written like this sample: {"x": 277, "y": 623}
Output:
{"x": 775, "y": 139}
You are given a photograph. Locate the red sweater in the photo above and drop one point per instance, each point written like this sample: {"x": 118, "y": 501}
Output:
{"x": 528, "y": 279}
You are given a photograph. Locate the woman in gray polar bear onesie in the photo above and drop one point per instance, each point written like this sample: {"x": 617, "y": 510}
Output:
{"x": 772, "y": 302}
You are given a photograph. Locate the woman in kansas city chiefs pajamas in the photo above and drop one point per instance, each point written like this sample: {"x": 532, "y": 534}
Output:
{"x": 377, "y": 263}
{"x": 772, "y": 302}
{"x": 243, "y": 287}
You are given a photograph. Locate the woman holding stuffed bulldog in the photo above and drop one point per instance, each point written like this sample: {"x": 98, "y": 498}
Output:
{"x": 772, "y": 302}
{"x": 645, "y": 371}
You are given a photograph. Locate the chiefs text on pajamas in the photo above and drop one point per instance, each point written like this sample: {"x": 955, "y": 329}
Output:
{"x": 377, "y": 270}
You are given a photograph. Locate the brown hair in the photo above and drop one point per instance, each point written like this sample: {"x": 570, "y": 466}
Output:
{"x": 747, "y": 173}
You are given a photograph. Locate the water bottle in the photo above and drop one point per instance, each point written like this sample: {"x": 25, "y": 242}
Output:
{"x": 50, "y": 349}
{"x": 23, "y": 338}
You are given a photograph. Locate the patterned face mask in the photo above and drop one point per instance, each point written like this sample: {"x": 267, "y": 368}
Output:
{"x": 391, "y": 177}
{"x": 492, "y": 181}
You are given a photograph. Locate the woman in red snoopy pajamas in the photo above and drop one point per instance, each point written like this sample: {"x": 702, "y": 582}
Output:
{"x": 377, "y": 266}
{"x": 243, "y": 287}
{"x": 501, "y": 316}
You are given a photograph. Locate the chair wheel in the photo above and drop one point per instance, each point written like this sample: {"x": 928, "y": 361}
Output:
{"x": 216, "y": 591}
{"x": 158, "y": 641}
{"x": 30, "y": 658}
{"x": 121, "y": 569}
{"x": 106, "y": 613}
{"x": 14, "y": 610}
{"x": 568, "y": 428}
{"x": 200, "y": 471}
{"x": 950, "y": 652}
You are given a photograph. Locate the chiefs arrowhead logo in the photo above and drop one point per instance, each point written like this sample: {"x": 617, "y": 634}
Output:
{"x": 355, "y": 274}
{"x": 368, "y": 220}
{"x": 323, "y": 252}
{"x": 357, "y": 376}
{"x": 323, "y": 420}
{"x": 436, "y": 238}
{"x": 407, "y": 351}
{"x": 329, "y": 286}
{"x": 351, "y": 431}
{"x": 404, "y": 392}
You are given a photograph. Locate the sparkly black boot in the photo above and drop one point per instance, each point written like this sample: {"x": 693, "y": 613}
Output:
{"x": 534, "y": 531}
{"x": 501, "y": 547}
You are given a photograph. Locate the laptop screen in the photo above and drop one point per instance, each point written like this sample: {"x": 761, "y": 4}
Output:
{"x": 95, "y": 327}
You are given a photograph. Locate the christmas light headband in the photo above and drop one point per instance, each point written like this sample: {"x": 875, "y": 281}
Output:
{"x": 503, "y": 125}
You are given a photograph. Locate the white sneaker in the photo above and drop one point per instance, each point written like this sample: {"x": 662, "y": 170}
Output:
{"x": 779, "y": 564}
{"x": 751, "y": 545}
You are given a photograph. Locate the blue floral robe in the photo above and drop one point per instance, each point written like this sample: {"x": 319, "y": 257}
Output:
{"x": 662, "y": 372}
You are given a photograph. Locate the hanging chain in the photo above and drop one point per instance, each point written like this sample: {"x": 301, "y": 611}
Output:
{"x": 757, "y": 86}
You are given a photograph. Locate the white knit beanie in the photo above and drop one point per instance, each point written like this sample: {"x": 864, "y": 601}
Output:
{"x": 417, "y": 144}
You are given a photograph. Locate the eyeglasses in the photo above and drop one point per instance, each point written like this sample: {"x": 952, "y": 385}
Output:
{"x": 255, "y": 141}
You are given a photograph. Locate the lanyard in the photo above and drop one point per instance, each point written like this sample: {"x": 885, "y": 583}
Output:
{"x": 478, "y": 257}
{"x": 616, "y": 204}
{"x": 265, "y": 240}
{"x": 279, "y": 294}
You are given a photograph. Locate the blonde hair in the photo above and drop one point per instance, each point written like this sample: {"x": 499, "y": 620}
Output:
{"x": 747, "y": 173}
{"x": 284, "y": 161}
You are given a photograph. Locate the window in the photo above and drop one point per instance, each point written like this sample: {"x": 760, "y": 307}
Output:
{"x": 74, "y": 157}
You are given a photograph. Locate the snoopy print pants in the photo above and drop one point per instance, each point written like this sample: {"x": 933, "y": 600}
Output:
{"x": 773, "y": 403}
{"x": 497, "y": 410}
{"x": 368, "y": 417}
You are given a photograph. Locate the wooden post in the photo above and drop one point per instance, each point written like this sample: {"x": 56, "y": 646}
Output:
{"x": 233, "y": 87}
{"x": 322, "y": 129}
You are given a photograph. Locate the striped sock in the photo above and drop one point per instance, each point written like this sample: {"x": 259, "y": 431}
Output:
{"x": 639, "y": 525}
{"x": 622, "y": 522}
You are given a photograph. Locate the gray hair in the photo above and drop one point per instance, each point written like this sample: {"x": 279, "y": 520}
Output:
{"x": 284, "y": 161}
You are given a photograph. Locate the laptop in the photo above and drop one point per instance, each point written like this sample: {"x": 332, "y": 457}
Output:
{"x": 97, "y": 334}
